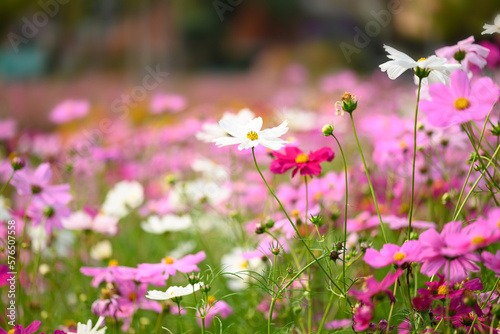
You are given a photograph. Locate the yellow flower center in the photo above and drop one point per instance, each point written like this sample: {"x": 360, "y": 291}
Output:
{"x": 348, "y": 97}
{"x": 168, "y": 260}
{"x": 403, "y": 145}
{"x": 106, "y": 293}
{"x": 112, "y": 263}
{"x": 12, "y": 331}
{"x": 462, "y": 103}
{"x": 301, "y": 158}
{"x": 211, "y": 300}
{"x": 399, "y": 256}
{"x": 422, "y": 59}
{"x": 132, "y": 296}
{"x": 442, "y": 290}
{"x": 478, "y": 239}
{"x": 252, "y": 135}
{"x": 498, "y": 224}
{"x": 244, "y": 264}
{"x": 318, "y": 195}
{"x": 295, "y": 213}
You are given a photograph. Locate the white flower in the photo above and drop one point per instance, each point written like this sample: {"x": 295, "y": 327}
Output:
{"x": 211, "y": 131}
{"x": 124, "y": 196}
{"x": 173, "y": 292}
{"x": 235, "y": 263}
{"x": 88, "y": 329}
{"x": 299, "y": 119}
{"x": 81, "y": 220}
{"x": 492, "y": 28}
{"x": 102, "y": 250}
{"x": 4, "y": 211}
{"x": 158, "y": 225}
{"x": 249, "y": 134}
{"x": 210, "y": 170}
{"x": 439, "y": 69}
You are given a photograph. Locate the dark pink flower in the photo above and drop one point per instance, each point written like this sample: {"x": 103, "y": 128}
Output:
{"x": 492, "y": 262}
{"x": 362, "y": 317}
{"x": 295, "y": 158}
{"x": 19, "y": 329}
{"x": 374, "y": 288}
{"x": 461, "y": 101}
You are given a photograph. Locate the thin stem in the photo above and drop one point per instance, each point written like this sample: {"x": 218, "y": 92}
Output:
{"x": 410, "y": 214}
{"x": 369, "y": 179}
{"x": 296, "y": 230}
{"x": 392, "y": 307}
{"x": 309, "y": 298}
{"x": 463, "y": 187}
{"x": 474, "y": 185}
{"x": 345, "y": 211}
{"x": 8, "y": 182}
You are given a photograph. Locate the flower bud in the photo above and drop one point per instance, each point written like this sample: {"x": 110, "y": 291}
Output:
{"x": 327, "y": 130}
{"x": 316, "y": 220}
{"x": 259, "y": 229}
{"x": 16, "y": 161}
{"x": 446, "y": 198}
{"x": 349, "y": 102}
{"x": 193, "y": 279}
{"x": 275, "y": 250}
{"x": 205, "y": 288}
{"x": 269, "y": 223}
{"x": 334, "y": 255}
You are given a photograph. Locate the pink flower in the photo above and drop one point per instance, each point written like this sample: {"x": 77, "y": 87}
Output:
{"x": 50, "y": 215}
{"x": 362, "y": 317}
{"x": 212, "y": 309}
{"x": 493, "y": 58}
{"x": 37, "y": 184}
{"x": 294, "y": 158}
{"x": 396, "y": 223}
{"x": 69, "y": 110}
{"x": 373, "y": 287}
{"x": 161, "y": 103}
{"x": 338, "y": 324}
{"x": 461, "y": 102}
{"x": 439, "y": 250}
{"x": 362, "y": 222}
{"x": 169, "y": 266}
{"x": 19, "y": 329}
{"x": 8, "y": 129}
{"x": 465, "y": 52}
{"x": 393, "y": 254}
{"x": 492, "y": 262}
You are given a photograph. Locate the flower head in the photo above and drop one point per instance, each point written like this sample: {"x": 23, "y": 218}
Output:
{"x": 461, "y": 101}
{"x": 393, "y": 254}
{"x": 250, "y": 134}
{"x": 492, "y": 28}
{"x": 465, "y": 52}
{"x": 174, "y": 292}
{"x": 435, "y": 68}
{"x": 308, "y": 164}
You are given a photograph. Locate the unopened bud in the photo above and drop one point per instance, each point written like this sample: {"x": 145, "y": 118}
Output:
{"x": 327, "y": 130}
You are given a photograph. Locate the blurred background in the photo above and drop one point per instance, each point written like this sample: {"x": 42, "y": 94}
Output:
{"x": 213, "y": 50}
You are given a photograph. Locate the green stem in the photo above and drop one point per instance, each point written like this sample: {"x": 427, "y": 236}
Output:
{"x": 345, "y": 211}
{"x": 7, "y": 183}
{"x": 296, "y": 230}
{"x": 484, "y": 304}
{"x": 369, "y": 179}
{"x": 474, "y": 185}
{"x": 410, "y": 214}
{"x": 392, "y": 307}
{"x": 309, "y": 299}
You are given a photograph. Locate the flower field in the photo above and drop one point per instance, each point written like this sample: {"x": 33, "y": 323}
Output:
{"x": 342, "y": 203}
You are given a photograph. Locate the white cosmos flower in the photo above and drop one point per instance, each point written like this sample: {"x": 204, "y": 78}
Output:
{"x": 158, "y": 225}
{"x": 249, "y": 134}
{"x": 439, "y": 68}
{"x": 492, "y": 28}
{"x": 174, "y": 291}
{"x": 101, "y": 250}
{"x": 124, "y": 196}
{"x": 211, "y": 131}
{"x": 88, "y": 329}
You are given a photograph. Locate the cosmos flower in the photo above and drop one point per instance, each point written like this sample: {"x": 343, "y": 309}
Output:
{"x": 169, "y": 266}
{"x": 212, "y": 309}
{"x": 19, "y": 329}
{"x": 210, "y": 131}
{"x": 492, "y": 28}
{"x": 461, "y": 101}
{"x": 94, "y": 221}
{"x": 307, "y": 164}
{"x": 250, "y": 134}
{"x": 69, "y": 110}
{"x": 492, "y": 262}
{"x": 393, "y": 254}
{"x": 125, "y": 196}
{"x": 439, "y": 69}
{"x": 465, "y": 52}
{"x": 373, "y": 287}
{"x": 173, "y": 103}
{"x": 88, "y": 329}
{"x": 174, "y": 291}
{"x": 168, "y": 223}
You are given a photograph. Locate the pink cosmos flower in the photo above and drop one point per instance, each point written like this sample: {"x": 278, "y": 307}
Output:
{"x": 338, "y": 324}
{"x": 492, "y": 262}
{"x": 50, "y": 215}
{"x": 19, "y": 329}
{"x": 461, "y": 102}
{"x": 362, "y": 222}
{"x": 161, "y": 103}
{"x": 69, "y": 110}
{"x": 373, "y": 287}
{"x": 465, "y": 52}
{"x": 91, "y": 220}
{"x": 396, "y": 223}
{"x": 214, "y": 308}
{"x": 362, "y": 317}
{"x": 37, "y": 184}
{"x": 493, "y": 58}
{"x": 439, "y": 250}
{"x": 393, "y": 254}
{"x": 294, "y": 158}
{"x": 169, "y": 266}
{"x": 108, "y": 274}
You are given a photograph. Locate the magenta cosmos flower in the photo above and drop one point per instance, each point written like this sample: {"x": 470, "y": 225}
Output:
{"x": 393, "y": 254}
{"x": 375, "y": 288}
{"x": 19, "y": 329}
{"x": 440, "y": 250}
{"x": 295, "y": 158}
{"x": 169, "y": 266}
{"x": 461, "y": 102}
